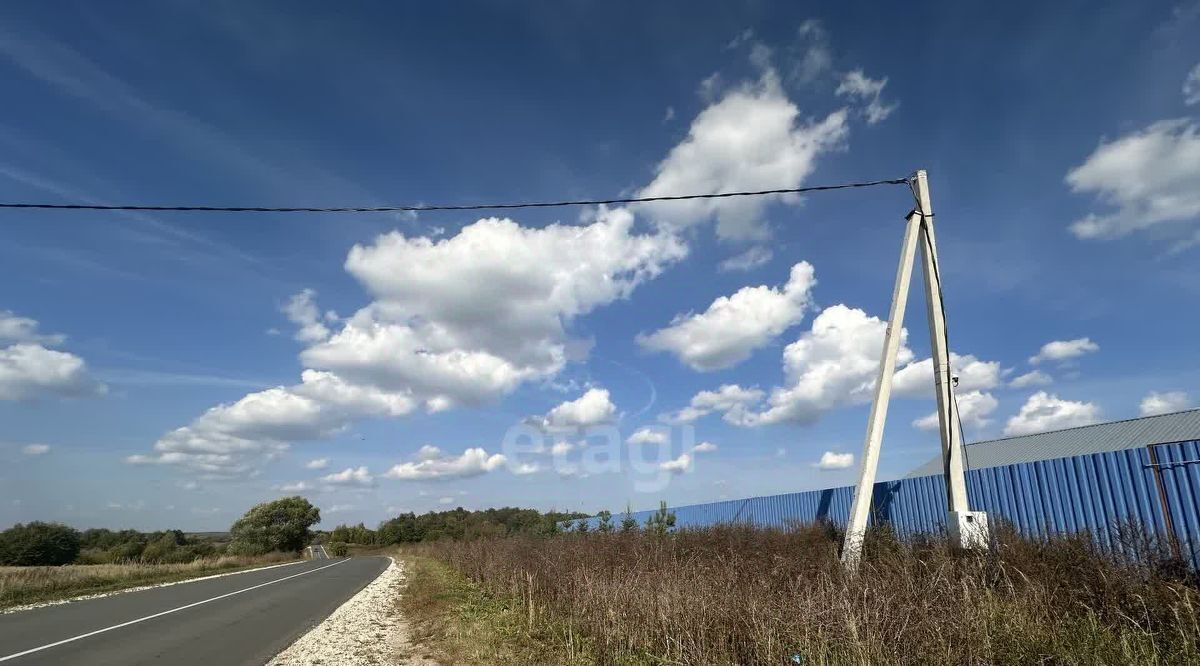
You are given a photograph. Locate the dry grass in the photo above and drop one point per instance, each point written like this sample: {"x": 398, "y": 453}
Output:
{"x": 24, "y": 585}
{"x": 737, "y": 595}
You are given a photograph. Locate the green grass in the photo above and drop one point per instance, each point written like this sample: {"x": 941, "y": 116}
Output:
{"x": 458, "y": 623}
{"x": 27, "y": 585}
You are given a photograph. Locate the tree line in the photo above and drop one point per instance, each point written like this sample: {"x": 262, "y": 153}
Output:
{"x": 457, "y": 524}
{"x": 284, "y": 525}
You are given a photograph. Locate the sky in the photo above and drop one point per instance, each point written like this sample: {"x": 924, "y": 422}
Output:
{"x": 168, "y": 370}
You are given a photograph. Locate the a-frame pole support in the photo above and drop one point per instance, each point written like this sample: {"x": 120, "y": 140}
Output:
{"x": 860, "y": 510}
{"x": 966, "y": 529}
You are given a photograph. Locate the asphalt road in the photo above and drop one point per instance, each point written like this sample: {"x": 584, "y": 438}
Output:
{"x": 240, "y": 619}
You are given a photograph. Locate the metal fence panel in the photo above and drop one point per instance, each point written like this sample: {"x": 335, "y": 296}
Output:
{"x": 1180, "y": 467}
{"x": 1094, "y": 493}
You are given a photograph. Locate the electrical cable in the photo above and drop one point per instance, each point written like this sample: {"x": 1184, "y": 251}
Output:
{"x": 449, "y": 207}
{"x": 937, "y": 278}
{"x": 962, "y": 432}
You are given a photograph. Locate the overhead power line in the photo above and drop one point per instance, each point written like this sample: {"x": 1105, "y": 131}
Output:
{"x": 436, "y": 207}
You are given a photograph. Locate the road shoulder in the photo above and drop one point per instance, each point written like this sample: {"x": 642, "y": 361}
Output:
{"x": 367, "y": 630}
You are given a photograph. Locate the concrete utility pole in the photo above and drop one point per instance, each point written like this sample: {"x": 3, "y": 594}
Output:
{"x": 943, "y": 383}
{"x": 967, "y": 529}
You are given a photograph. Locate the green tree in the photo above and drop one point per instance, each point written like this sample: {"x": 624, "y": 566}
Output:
{"x": 605, "y": 525}
{"x": 281, "y": 525}
{"x": 38, "y": 544}
{"x": 628, "y": 522}
{"x": 662, "y": 521}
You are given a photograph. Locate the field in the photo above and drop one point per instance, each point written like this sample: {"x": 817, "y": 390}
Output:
{"x": 24, "y": 585}
{"x": 738, "y": 595}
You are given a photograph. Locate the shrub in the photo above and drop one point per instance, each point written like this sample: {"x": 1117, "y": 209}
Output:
{"x": 337, "y": 548}
{"x": 163, "y": 549}
{"x": 38, "y": 544}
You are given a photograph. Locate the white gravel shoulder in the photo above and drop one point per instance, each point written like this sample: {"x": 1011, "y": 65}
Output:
{"x": 367, "y": 630}
{"x": 139, "y": 588}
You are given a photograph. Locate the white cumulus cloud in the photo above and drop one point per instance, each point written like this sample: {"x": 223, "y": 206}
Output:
{"x": 734, "y": 326}
{"x": 229, "y": 439}
{"x": 592, "y": 408}
{"x": 753, "y": 138}
{"x": 301, "y": 310}
{"x": 1032, "y": 378}
{"x": 730, "y": 399}
{"x": 1148, "y": 178}
{"x": 351, "y": 476}
{"x": 833, "y": 364}
{"x": 704, "y": 447}
{"x": 467, "y": 319}
{"x": 916, "y": 379}
{"x": 318, "y": 463}
{"x": 1164, "y": 403}
{"x": 678, "y": 465}
{"x": 472, "y": 462}
{"x": 1044, "y": 411}
{"x": 832, "y": 461}
{"x": 29, "y": 370}
{"x": 1064, "y": 350}
{"x": 649, "y": 436}
{"x": 35, "y": 449}
{"x": 14, "y": 328}
{"x": 974, "y": 408}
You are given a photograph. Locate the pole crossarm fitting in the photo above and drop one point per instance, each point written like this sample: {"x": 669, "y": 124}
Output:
{"x": 967, "y": 529}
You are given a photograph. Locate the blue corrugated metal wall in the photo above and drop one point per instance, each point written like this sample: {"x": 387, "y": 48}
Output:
{"x": 1094, "y": 492}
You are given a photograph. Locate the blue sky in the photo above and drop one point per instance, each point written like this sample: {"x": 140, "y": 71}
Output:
{"x": 169, "y": 370}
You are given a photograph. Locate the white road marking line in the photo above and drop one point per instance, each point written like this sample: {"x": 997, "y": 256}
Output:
{"x": 166, "y": 612}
